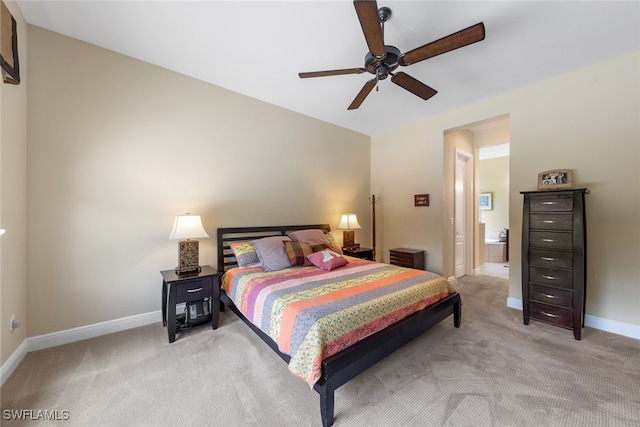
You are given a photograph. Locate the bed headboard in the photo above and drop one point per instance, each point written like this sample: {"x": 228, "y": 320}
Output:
{"x": 226, "y": 236}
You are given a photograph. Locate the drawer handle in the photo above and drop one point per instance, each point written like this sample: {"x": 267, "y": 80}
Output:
{"x": 549, "y": 240}
{"x": 194, "y": 290}
{"x": 549, "y": 203}
{"x": 549, "y": 296}
{"x": 549, "y": 314}
{"x": 548, "y": 258}
{"x": 549, "y": 221}
{"x": 548, "y": 277}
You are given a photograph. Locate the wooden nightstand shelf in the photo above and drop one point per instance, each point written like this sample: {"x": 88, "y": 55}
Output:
{"x": 186, "y": 288}
{"x": 362, "y": 253}
{"x": 411, "y": 258}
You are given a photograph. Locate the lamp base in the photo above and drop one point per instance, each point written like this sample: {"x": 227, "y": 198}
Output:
{"x": 188, "y": 257}
{"x": 348, "y": 238}
{"x": 188, "y": 270}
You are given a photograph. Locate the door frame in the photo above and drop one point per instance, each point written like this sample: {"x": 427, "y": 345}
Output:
{"x": 468, "y": 209}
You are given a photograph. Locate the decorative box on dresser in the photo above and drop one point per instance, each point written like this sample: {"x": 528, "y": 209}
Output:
{"x": 412, "y": 258}
{"x": 554, "y": 261}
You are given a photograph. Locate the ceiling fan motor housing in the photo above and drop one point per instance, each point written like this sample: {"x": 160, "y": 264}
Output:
{"x": 382, "y": 67}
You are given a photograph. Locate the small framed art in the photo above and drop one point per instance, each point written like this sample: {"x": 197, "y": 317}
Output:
{"x": 9, "y": 46}
{"x": 421, "y": 200}
{"x": 555, "y": 179}
{"x": 486, "y": 201}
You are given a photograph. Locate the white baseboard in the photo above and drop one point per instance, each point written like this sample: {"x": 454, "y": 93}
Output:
{"x": 90, "y": 331}
{"x": 624, "y": 329}
{"x": 13, "y": 361}
{"x": 615, "y": 327}
{"x": 514, "y": 303}
{"x": 40, "y": 342}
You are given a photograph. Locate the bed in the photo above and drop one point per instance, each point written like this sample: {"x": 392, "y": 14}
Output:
{"x": 285, "y": 321}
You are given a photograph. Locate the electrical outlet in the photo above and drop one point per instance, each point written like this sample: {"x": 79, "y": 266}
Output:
{"x": 13, "y": 323}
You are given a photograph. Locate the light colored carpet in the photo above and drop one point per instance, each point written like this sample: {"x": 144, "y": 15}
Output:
{"x": 493, "y": 371}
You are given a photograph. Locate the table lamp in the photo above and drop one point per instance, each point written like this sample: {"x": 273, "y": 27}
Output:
{"x": 348, "y": 223}
{"x": 185, "y": 228}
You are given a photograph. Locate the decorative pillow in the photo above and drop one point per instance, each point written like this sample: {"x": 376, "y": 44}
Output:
{"x": 297, "y": 253}
{"x": 245, "y": 254}
{"x": 271, "y": 252}
{"x": 312, "y": 236}
{"x": 327, "y": 259}
{"x": 320, "y": 247}
{"x": 334, "y": 243}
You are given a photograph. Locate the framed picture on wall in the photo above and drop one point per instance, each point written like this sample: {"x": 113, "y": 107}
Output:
{"x": 9, "y": 46}
{"x": 486, "y": 201}
{"x": 421, "y": 200}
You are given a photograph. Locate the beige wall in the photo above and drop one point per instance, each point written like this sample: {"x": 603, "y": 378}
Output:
{"x": 13, "y": 200}
{"x": 404, "y": 167}
{"x": 574, "y": 121}
{"x": 494, "y": 178}
{"x": 117, "y": 147}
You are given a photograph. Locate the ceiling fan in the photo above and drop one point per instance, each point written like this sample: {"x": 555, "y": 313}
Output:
{"x": 382, "y": 60}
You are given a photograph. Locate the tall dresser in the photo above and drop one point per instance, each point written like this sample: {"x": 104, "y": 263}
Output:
{"x": 554, "y": 258}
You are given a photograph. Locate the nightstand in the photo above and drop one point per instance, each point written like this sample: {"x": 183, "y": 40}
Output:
{"x": 362, "y": 253}
{"x": 410, "y": 258}
{"x": 189, "y": 287}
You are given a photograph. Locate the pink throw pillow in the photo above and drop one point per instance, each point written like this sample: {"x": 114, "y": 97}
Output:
{"x": 327, "y": 259}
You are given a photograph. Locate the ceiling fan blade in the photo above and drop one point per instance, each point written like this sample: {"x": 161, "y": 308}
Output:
{"x": 367, "y": 11}
{"x": 368, "y": 87}
{"x": 331, "y": 72}
{"x": 414, "y": 86}
{"x": 462, "y": 38}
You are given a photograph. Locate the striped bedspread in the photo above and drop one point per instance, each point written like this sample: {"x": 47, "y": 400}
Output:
{"x": 312, "y": 313}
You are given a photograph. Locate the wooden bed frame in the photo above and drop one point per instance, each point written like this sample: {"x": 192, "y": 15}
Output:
{"x": 350, "y": 362}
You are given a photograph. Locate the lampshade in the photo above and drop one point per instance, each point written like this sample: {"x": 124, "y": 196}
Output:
{"x": 349, "y": 221}
{"x": 188, "y": 227}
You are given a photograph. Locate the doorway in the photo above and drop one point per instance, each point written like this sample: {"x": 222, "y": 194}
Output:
{"x": 493, "y": 182}
{"x": 463, "y": 222}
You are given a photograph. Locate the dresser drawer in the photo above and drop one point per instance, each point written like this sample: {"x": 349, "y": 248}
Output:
{"x": 401, "y": 256}
{"x": 551, "y": 203}
{"x": 553, "y": 296}
{"x": 551, "y": 240}
{"x": 551, "y": 221}
{"x": 551, "y": 259}
{"x": 402, "y": 262}
{"x": 194, "y": 290}
{"x": 551, "y": 277}
{"x": 550, "y": 314}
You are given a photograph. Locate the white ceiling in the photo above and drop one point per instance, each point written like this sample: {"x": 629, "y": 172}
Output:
{"x": 257, "y": 48}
